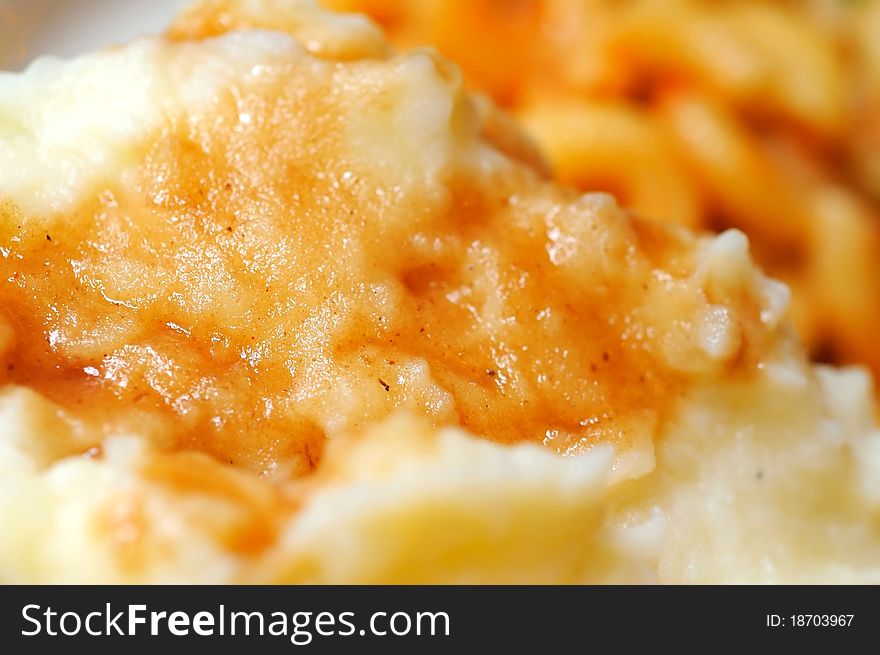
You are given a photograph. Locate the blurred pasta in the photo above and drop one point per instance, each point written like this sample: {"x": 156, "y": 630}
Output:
{"x": 759, "y": 115}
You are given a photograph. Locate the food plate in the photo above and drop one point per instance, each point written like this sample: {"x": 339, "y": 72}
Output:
{"x": 30, "y": 28}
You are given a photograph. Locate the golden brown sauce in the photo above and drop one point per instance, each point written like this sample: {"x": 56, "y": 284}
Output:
{"x": 257, "y": 512}
{"x": 693, "y": 113}
{"x": 260, "y": 285}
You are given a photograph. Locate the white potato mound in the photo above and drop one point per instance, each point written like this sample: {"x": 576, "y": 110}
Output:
{"x": 387, "y": 409}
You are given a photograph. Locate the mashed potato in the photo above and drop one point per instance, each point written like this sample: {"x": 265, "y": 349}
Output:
{"x": 279, "y": 305}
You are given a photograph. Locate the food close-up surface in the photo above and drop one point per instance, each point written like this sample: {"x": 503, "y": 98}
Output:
{"x": 757, "y": 115}
{"x": 445, "y": 292}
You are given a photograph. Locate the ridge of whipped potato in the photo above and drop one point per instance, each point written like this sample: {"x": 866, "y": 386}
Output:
{"x": 284, "y": 306}
{"x": 65, "y": 125}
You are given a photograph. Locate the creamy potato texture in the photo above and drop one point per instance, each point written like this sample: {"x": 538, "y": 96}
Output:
{"x": 281, "y": 305}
